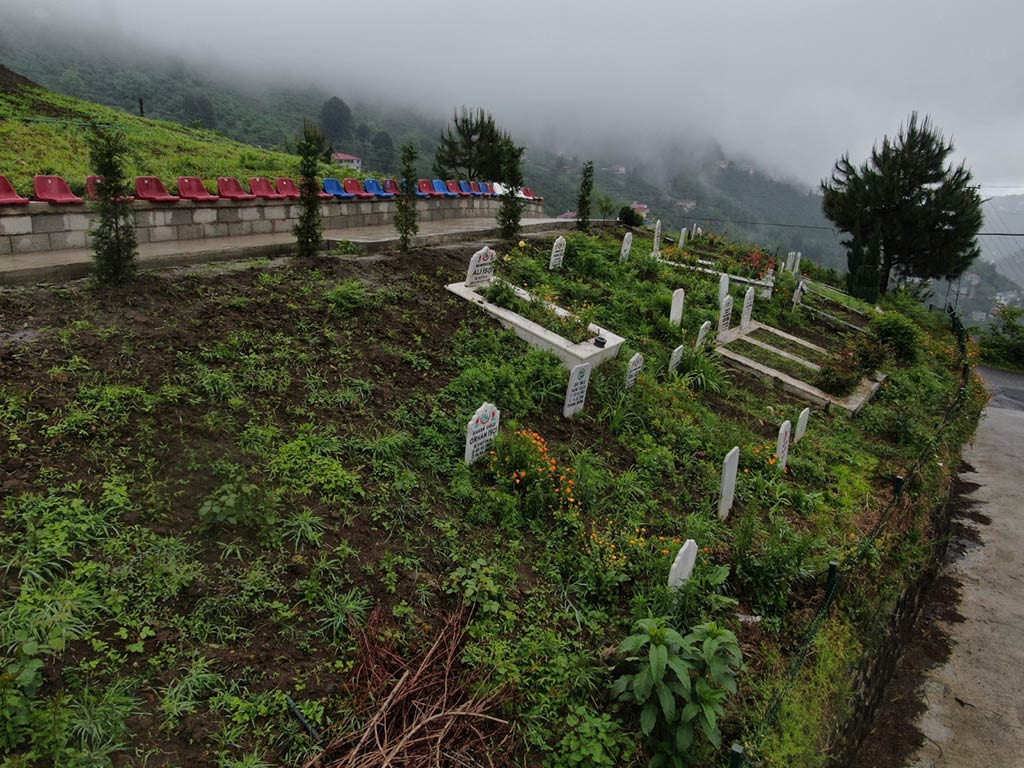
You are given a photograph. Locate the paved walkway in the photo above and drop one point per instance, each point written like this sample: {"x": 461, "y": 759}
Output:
{"x": 76, "y": 263}
{"x": 975, "y": 700}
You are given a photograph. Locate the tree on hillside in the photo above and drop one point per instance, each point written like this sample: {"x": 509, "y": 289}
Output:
{"x": 472, "y": 147}
{"x": 308, "y": 227}
{"x": 923, "y": 214}
{"x": 511, "y": 174}
{"x": 336, "y": 120}
{"x": 583, "y": 198}
{"x": 113, "y": 235}
{"x": 405, "y": 214}
{"x": 197, "y": 108}
{"x": 605, "y": 204}
{"x": 383, "y": 151}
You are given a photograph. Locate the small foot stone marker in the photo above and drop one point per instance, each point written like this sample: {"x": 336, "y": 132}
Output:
{"x": 677, "y": 356}
{"x": 682, "y": 566}
{"x": 481, "y": 431}
{"x": 636, "y": 364}
{"x": 801, "y": 425}
{"x": 481, "y": 268}
{"x": 724, "y": 317}
{"x": 782, "y": 449}
{"x": 557, "y": 253}
{"x": 702, "y": 334}
{"x": 748, "y": 309}
{"x": 627, "y": 245}
{"x": 730, "y": 467}
{"x": 576, "y": 391}
{"x": 675, "y": 315}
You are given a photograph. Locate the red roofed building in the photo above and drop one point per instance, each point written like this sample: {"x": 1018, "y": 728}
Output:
{"x": 347, "y": 161}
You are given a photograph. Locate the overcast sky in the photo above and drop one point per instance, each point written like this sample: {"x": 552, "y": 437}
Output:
{"x": 790, "y": 83}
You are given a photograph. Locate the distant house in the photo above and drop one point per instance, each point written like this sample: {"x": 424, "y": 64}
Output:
{"x": 640, "y": 208}
{"x": 568, "y": 215}
{"x": 347, "y": 161}
{"x": 619, "y": 169}
{"x": 686, "y": 205}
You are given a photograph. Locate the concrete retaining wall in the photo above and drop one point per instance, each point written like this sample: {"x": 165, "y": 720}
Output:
{"x": 41, "y": 227}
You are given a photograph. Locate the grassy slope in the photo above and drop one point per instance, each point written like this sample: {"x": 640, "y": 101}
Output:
{"x": 162, "y": 149}
{"x": 345, "y": 409}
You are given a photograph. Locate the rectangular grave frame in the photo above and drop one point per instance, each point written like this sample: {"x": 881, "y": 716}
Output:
{"x": 852, "y": 403}
{"x": 536, "y": 335}
{"x": 764, "y": 288}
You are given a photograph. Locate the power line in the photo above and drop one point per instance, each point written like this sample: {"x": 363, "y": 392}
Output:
{"x": 764, "y": 223}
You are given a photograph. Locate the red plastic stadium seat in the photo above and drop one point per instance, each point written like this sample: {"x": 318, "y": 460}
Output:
{"x": 290, "y": 189}
{"x": 453, "y": 186}
{"x": 53, "y": 189}
{"x": 477, "y": 190}
{"x": 354, "y": 187}
{"x": 7, "y": 194}
{"x": 391, "y": 187}
{"x": 92, "y": 189}
{"x": 425, "y": 189}
{"x": 231, "y": 188}
{"x": 152, "y": 190}
{"x": 261, "y": 187}
{"x": 192, "y": 188}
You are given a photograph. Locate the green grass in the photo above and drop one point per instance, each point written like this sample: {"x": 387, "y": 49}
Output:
{"x": 56, "y": 144}
{"x": 215, "y": 493}
{"x": 771, "y": 359}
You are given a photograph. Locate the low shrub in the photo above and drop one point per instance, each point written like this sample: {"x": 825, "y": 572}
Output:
{"x": 839, "y": 375}
{"x": 898, "y": 333}
{"x": 630, "y": 217}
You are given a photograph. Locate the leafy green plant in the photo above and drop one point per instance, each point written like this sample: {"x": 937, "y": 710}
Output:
{"x": 343, "y": 609}
{"x": 347, "y": 296}
{"x": 898, "y": 333}
{"x": 239, "y": 503}
{"x": 478, "y": 585}
{"x": 592, "y": 740}
{"x": 678, "y": 684}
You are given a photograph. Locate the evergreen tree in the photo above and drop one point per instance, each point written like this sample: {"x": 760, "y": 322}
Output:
{"x": 336, "y": 120}
{"x": 583, "y": 199}
{"x": 113, "y": 235}
{"x": 924, "y": 214}
{"x": 511, "y": 210}
{"x": 196, "y": 107}
{"x": 406, "y": 217}
{"x": 605, "y": 204}
{"x": 471, "y": 147}
{"x": 308, "y": 227}
{"x": 383, "y": 151}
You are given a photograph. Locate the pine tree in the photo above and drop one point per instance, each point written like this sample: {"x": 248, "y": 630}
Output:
{"x": 471, "y": 147}
{"x": 406, "y": 217}
{"x": 925, "y": 215}
{"x": 114, "y": 243}
{"x": 336, "y": 120}
{"x": 583, "y": 199}
{"x": 308, "y": 228}
{"x": 511, "y": 210}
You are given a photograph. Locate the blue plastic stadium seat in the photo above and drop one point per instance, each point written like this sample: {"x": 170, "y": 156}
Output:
{"x": 373, "y": 186}
{"x": 465, "y": 187}
{"x": 441, "y": 189}
{"x": 333, "y": 187}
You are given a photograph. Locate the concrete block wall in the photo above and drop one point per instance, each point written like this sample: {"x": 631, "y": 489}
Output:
{"x": 41, "y": 227}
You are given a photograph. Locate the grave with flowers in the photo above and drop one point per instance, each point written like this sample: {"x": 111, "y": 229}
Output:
{"x": 536, "y": 319}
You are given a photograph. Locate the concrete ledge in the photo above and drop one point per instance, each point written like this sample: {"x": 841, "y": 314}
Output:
{"x": 764, "y": 287}
{"x": 571, "y": 354}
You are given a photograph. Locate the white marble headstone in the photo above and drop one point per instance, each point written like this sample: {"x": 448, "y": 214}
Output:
{"x": 682, "y": 237}
{"x": 636, "y": 364}
{"x": 627, "y": 245}
{"x": 682, "y": 566}
{"x": 481, "y": 431}
{"x": 675, "y": 359}
{"x": 798, "y": 293}
{"x": 723, "y": 288}
{"x": 481, "y": 268}
{"x": 675, "y": 315}
{"x": 657, "y": 238}
{"x": 748, "y": 308}
{"x": 730, "y": 467}
{"x": 724, "y": 317}
{"x": 700, "y": 231}
{"x": 789, "y": 260}
{"x": 702, "y": 334}
{"x": 782, "y": 449}
{"x": 796, "y": 262}
{"x": 576, "y": 391}
{"x": 557, "y": 253}
{"x": 801, "y": 425}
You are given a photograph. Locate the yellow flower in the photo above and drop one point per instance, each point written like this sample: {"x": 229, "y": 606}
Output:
{"x": 522, "y": 243}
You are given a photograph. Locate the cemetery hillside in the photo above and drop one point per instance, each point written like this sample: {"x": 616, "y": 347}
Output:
{"x": 617, "y": 498}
